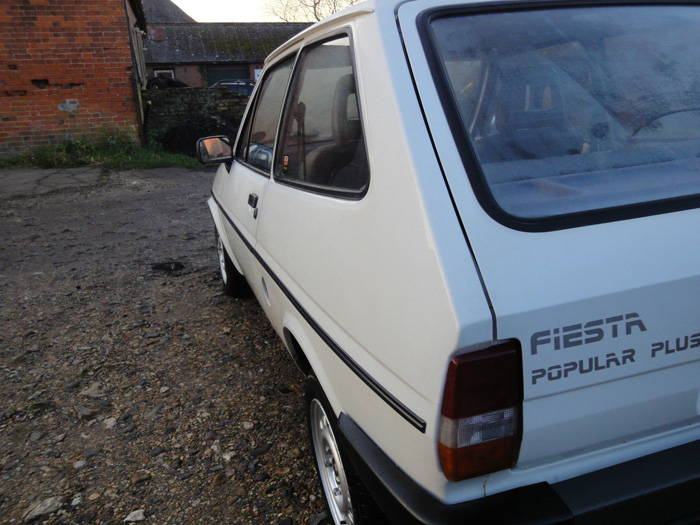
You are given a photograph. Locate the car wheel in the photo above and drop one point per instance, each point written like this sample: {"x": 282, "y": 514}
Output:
{"x": 346, "y": 497}
{"x": 233, "y": 283}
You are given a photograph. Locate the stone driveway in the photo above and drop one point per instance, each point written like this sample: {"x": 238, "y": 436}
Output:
{"x": 133, "y": 390}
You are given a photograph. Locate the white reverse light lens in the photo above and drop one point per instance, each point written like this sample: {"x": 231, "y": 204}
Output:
{"x": 478, "y": 429}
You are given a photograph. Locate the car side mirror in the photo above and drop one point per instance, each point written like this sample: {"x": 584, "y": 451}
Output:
{"x": 214, "y": 150}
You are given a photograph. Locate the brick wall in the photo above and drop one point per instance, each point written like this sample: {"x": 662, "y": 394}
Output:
{"x": 65, "y": 71}
{"x": 189, "y": 74}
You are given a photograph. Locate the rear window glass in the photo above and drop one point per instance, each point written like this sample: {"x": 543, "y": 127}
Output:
{"x": 322, "y": 146}
{"x": 575, "y": 110}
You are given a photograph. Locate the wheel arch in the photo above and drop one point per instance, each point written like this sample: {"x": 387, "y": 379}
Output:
{"x": 297, "y": 352}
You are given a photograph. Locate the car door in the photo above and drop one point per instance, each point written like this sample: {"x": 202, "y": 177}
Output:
{"x": 321, "y": 174}
{"x": 241, "y": 193}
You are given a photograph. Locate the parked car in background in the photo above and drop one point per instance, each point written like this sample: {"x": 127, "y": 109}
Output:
{"x": 474, "y": 226}
{"x": 164, "y": 83}
{"x": 242, "y": 87}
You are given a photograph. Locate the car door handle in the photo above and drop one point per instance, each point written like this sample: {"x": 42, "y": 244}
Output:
{"x": 253, "y": 200}
{"x": 253, "y": 203}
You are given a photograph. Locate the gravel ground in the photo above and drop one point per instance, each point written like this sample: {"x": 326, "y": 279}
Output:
{"x": 132, "y": 389}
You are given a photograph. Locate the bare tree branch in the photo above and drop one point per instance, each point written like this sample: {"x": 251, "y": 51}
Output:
{"x": 305, "y": 10}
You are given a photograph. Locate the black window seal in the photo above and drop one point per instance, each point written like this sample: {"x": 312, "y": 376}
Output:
{"x": 244, "y": 131}
{"x": 328, "y": 191}
{"x": 321, "y": 189}
{"x": 249, "y": 116}
{"x": 467, "y": 155}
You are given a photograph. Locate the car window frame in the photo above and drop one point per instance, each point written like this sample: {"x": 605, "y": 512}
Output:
{"x": 246, "y": 127}
{"x": 472, "y": 167}
{"x": 342, "y": 193}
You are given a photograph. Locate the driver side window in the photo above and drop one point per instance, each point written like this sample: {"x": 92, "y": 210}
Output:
{"x": 258, "y": 137}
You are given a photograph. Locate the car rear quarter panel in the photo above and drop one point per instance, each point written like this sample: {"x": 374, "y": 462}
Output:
{"x": 390, "y": 277}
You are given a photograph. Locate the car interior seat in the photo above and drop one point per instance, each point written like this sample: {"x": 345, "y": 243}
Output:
{"x": 323, "y": 163}
{"x": 531, "y": 120}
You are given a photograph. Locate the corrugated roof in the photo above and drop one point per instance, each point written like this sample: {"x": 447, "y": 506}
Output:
{"x": 212, "y": 43}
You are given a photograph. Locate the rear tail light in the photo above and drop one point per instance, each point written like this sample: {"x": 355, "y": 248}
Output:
{"x": 480, "y": 425}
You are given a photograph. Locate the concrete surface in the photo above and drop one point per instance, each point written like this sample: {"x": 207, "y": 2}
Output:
{"x": 28, "y": 182}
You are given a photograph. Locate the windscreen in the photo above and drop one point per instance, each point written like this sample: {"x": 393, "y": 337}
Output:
{"x": 575, "y": 110}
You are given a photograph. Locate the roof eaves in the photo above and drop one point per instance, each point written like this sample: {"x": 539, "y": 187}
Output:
{"x": 137, "y": 8}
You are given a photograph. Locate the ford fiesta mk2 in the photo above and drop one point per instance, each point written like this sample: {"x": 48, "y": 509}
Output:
{"x": 475, "y": 226}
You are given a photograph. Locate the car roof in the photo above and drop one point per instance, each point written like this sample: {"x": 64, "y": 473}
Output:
{"x": 362, "y": 8}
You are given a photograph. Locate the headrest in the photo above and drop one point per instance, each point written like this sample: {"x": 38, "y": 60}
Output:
{"x": 342, "y": 134}
{"x": 531, "y": 98}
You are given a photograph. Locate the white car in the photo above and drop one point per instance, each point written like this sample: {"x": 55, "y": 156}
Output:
{"x": 475, "y": 226}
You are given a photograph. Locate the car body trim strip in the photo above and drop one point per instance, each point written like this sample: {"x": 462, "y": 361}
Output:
{"x": 372, "y": 383}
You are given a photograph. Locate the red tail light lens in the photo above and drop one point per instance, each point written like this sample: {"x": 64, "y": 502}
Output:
{"x": 480, "y": 427}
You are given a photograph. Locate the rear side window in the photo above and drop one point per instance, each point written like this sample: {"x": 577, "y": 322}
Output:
{"x": 257, "y": 140}
{"x": 593, "y": 116}
{"x": 321, "y": 145}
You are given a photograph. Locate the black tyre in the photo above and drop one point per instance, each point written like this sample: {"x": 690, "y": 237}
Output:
{"x": 346, "y": 497}
{"x": 233, "y": 283}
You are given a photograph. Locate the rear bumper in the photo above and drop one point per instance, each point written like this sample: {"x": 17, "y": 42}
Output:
{"x": 660, "y": 488}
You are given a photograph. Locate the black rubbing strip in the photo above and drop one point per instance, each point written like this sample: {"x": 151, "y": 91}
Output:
{"x": 372, "y": 383}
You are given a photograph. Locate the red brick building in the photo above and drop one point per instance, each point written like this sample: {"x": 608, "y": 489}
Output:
{"x": 69, "y": 70}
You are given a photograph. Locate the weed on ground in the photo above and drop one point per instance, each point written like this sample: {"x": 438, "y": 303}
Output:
{"x": 113, "y": 153}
